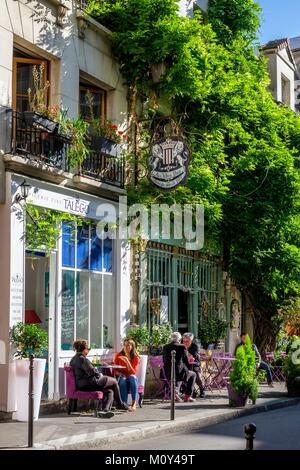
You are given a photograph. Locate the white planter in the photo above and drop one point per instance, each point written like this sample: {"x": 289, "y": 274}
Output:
{"x": 22, "y": 385}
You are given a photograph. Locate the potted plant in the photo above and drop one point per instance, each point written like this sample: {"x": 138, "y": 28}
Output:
{"x": 28, "y": 339}
{"x": 291, "y": 369}
{"x": 211, "y": 330}
{"x": 78, "y": 149}
{"x": 242, "y": 381}
{"x": 141, "y": 336}
{"x": 160, "y": 335}
{"x": 39, "y": 114}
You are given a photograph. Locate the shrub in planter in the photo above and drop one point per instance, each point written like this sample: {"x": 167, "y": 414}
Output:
{"x": 243, "y": 383}
{"x": 160, "y": 335}
{"x": 141, "y": 336}
{"x": 291, "y": 369}
{"x": 211, "y": 330}
{"x": 28, "y": 340}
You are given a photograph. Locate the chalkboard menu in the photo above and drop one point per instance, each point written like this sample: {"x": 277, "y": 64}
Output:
{"x": 67, "y": 311}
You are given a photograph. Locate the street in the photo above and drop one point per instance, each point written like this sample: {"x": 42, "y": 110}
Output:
{"x": 276, "y": 430}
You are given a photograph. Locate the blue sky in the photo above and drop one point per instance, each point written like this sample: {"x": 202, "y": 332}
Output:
{"x": 281, "y": 18}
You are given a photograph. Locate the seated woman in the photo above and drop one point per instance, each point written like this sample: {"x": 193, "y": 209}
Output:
{"x": 87, "y": 378}
{"x": 128, "y": 381}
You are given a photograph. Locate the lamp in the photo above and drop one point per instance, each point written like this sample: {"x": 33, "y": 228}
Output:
{"x": 24, "y": 188}
{"x": 32, "y": 317}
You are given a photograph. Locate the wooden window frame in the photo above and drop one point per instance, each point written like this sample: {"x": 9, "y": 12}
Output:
{"x": 30, "y": 61}
{"x": 96, "y": 90}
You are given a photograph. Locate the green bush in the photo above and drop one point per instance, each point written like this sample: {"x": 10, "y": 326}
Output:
{"x": 292, "y": 368}
{"x": 242, "y": 377}
{"x": 28, "y": 339}
{"x": 140, "y": 335}
{"x": 150, "y": 342}
{"x": 211, "y": 330}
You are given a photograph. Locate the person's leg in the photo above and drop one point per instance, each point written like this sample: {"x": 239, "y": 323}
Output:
{"x": 108, "y": 400}
{"x": 112, "y": 384}
{"x": 199, "y": 380}
{"x": 132, "y": 382}
{"x": 123, "y": 389}
{"x": 190, "y": 382}
{"x": 266, "y": 367}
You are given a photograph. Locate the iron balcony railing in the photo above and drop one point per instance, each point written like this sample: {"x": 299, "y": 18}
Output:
{"x": 37, "y": 145}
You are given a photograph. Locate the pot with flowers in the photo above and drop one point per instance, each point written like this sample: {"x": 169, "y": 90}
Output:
{"x": 39, "y": 114}
{"x": 106, "y": 137}
{"x": 28, "y": 339}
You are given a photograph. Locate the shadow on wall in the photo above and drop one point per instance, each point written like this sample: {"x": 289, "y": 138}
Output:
{"x": 2, "y": 352}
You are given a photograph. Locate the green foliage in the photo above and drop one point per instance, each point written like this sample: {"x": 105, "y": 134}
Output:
{"x": 211, "y": 330}
{"x": 78, "y": 149}
{"x": 152, "y": 341}
{"x": 28, "y": 339}
{"x": 292, "y": 368}
{"x": 245, "y": 148}
{"x": 242, "y": 377}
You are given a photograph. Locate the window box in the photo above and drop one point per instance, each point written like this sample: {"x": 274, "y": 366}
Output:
{"x": 34, "y": 119}
{"x": 105, "y": 146}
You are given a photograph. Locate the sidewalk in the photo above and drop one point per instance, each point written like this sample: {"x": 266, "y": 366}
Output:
{"x": 82, "y": 431}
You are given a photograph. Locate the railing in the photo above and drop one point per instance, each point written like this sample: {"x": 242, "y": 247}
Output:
{"x": 51, "y": 149}
{"x": 37, "y": 145}
{"x": 105, "y": 168}
{"x": 82, "y": 4}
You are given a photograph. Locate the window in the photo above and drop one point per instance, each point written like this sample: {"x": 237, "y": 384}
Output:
{"x": 88, "y": 301}
{"x": 92, "y": 102}
{"x": 285, "y": 90}
{"x": 23, "y": 79}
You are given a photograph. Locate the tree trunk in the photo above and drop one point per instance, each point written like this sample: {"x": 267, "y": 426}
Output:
{"x": 266, "y": 327}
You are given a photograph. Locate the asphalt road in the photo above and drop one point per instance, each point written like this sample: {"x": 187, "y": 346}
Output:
{"x": 276, "y": 430}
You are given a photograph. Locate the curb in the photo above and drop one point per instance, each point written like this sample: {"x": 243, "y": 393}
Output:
{"x": 100, "y": 439}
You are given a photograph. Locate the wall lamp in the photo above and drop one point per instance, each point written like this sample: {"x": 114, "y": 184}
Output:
{"x": 24, "y": 188}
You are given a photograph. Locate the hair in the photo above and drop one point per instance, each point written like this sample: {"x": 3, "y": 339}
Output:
{"x": 80, "y": 345}
{"x": 188, "y": 335}
{"x": 243, "y": 334}
{"x": 133, "y": 352}
{"x": 176, "y": 337}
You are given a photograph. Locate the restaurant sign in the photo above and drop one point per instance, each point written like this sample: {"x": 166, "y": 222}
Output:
{"x": 168, "y": 163}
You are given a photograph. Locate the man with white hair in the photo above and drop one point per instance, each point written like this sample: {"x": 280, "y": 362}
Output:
{"x": 194, "y": 356}
{"x": 182, "y": 372}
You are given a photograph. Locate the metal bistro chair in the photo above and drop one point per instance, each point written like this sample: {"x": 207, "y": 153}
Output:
{"x": 158, "y": 372}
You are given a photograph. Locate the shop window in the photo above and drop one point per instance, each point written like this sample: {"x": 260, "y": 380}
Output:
{"x": 92, "y": 102}
{"x": 87, "y": 287}
{"x": 23, "y": 66}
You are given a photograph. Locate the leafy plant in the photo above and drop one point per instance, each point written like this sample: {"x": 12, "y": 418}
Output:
{"x": 140, "y": 335}
{"x": 28, "y": 339}
{"x": 291, "y": 368}
{"x": 78, "y": 149}
{"x": 38, "y": 100}
{"x": 211, "y": 330}
{"x": 160, "y": 335}
{"x": 242, "y": 378}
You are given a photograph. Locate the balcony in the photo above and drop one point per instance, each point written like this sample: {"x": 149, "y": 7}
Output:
{"x": 45, "y": 150}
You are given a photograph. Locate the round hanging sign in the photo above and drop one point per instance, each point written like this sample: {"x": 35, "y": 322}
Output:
{"x": 168, "y": 163}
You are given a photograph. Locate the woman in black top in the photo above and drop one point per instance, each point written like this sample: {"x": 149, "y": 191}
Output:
{"x": 87, "y": 378}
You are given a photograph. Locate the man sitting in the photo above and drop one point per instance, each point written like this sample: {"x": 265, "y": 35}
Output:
{"x": 260, "y": 364}
{"x": 182, "y": 372}
{"x": 194, "y": 356}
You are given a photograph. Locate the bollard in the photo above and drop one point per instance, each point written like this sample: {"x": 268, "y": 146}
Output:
{"x": 30, "y": 402}
{"x": 250, "y": 430}
{"x": 173, "y": 385}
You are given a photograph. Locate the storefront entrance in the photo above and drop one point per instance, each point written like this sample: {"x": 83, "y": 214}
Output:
{"x": 183, "y": 311}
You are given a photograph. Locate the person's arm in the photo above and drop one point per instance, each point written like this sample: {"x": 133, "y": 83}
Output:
{"x": 196, "y": 352}
{"x": 88, "y": 368}
{"x": 185, "y": 358}
{"x": 257, "y": 354}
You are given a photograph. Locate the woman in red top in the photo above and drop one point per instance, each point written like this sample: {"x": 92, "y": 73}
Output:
{"x": 128, "y": 381}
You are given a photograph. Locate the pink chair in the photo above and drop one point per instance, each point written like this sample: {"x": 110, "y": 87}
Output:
{"x": 73, "y": 395}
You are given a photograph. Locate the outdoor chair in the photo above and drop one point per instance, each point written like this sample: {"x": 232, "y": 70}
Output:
{"x": 74, "y": 395}
{"x": 158, "y": 372}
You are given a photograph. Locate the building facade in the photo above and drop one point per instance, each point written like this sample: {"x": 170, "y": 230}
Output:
{"x": 82, "y": 288}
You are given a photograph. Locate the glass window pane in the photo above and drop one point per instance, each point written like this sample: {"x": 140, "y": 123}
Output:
{"x": 108, "y": 311}
{"x": 22, "y": 104}
{"x": 83, "y": 234}
{"x": 96, "y": 293}
{"x": 96, "y": 251}
{"x": 95, "y": 104}
{"x": 68, "y": 245}
{"x": 67, "y": 310}
{"x": 25, "y": 78}
{"x": 107, "y": 255}
{"x": 82, "y": 305}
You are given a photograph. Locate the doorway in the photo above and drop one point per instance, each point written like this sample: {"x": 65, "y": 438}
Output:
{"x": 183, "y": 311}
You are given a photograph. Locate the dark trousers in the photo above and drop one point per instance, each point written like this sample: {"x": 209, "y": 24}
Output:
{"x": 199, "y": 378}
{"x": 190, "y": 379}
{"x": 267, "y": 368}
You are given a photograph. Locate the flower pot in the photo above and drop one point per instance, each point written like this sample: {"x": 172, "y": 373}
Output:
{"x": 105, "y": 146}
{"x": 22, "y": 385}
{"x": 34, "y": 119}
{"x": 236, "y": 400}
